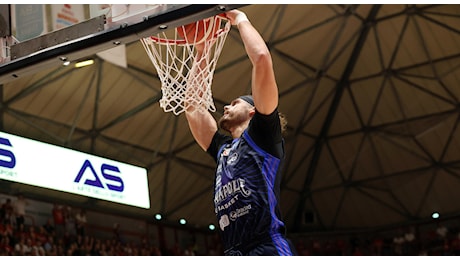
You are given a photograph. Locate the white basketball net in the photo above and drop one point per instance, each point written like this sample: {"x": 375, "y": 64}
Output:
{"x": 186, "y": 78}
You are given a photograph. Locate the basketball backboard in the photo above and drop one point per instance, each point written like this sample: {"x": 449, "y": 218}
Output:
{"x": 106, "y": 27}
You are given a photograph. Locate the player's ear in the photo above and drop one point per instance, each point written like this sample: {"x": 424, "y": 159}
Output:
{"x": 252, "y": 111}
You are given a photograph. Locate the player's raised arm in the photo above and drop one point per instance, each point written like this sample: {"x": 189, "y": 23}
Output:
{"x": 264, "y": 87}
{"x": 202, "y": 124}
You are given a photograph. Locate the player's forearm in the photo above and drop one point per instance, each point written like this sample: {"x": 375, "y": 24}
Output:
{"x": 255, "y": 46}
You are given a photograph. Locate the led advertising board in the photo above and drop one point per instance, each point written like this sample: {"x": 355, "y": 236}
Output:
{"x": 49, "y": 166}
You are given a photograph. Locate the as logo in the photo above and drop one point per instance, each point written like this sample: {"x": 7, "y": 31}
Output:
{"x": 6, "y": 154}
{"x": 107, "y": 174}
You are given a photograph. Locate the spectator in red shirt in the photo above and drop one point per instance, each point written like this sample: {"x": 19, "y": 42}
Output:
{"x": 7, "y": 211}
{"x": 59, "y": 220}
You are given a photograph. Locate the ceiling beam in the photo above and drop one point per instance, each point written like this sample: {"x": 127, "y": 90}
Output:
{"x": 341, "y": 85}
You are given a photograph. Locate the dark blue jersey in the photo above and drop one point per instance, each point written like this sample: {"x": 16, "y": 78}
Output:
{"x": 246, "y": 189}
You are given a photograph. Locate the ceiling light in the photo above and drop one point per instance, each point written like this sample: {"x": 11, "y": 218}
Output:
{"x": 182, "y": 221}
{"x": 212, "y": 227}
{"x": 83, "y": 63}
{"x": 158, "y": 216}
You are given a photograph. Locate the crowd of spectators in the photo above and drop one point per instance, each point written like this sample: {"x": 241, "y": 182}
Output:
{"x": 66, "y": 233}
{"x": 62, "y": 235}
{"x": 429, "y": 239}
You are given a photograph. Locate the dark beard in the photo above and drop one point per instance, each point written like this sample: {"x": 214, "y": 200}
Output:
{"x": 230, "y": 122}
{"x": 224, "y": 124}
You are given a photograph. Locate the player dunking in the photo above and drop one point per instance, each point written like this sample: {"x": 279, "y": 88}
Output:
{"x": 247, "y": 180}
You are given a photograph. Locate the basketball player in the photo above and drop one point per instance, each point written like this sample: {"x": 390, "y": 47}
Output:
{"x": 246, "y": 192}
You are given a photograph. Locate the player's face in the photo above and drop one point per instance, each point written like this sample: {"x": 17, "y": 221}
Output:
{"x": 236, "y": 113}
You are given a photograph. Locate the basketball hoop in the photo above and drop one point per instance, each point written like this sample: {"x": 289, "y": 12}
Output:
{"x": 185, "y": 76}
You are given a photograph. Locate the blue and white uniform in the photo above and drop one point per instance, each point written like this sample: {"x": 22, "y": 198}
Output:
{"x": 246, "y": 189}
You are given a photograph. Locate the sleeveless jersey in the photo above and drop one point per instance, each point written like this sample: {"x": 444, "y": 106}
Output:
{"x": 246, "y": 189}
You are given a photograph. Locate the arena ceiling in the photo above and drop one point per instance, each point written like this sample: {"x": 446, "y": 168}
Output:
{"x": 371, "y": 93}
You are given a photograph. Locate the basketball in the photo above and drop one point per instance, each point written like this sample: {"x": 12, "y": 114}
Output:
{"x": 199, "y": 31}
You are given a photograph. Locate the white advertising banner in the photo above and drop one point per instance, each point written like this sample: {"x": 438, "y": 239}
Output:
{"x": 64, "y": 15}
{"x": 35, "y": 163}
